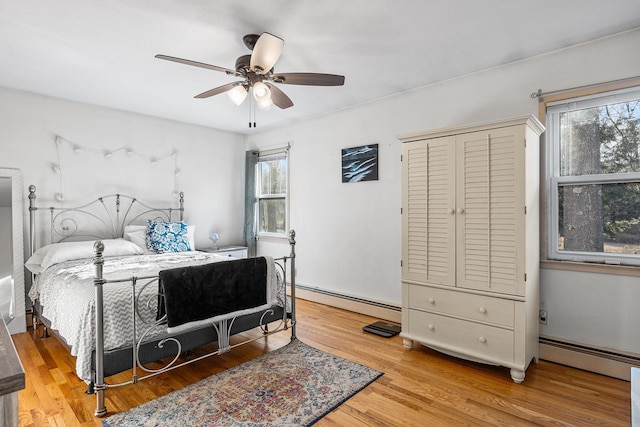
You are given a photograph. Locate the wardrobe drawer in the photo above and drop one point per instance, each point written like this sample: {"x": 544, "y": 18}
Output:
{"x": 470, "y": 306}
{"x": 472, "y": 339}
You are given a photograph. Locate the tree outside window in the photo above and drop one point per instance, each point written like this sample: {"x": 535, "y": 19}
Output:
{"x": 595, "y": 180}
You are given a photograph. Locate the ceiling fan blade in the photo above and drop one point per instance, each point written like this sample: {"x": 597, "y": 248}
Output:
{"x": 266, "y": 52}
{"x": 216, "y": 91}
{"x": 310, "y": 79}
{"x": 197, "y": 64}
{"x": 279, "y": 98}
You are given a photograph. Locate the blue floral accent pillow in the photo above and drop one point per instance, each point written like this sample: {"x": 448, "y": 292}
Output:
{"x": 167, "y": 236}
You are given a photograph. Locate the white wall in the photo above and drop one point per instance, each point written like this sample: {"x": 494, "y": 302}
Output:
{"x": 208, "y": 160}
{"x": 349, "y": 235}
{"x": 597, "y": 309}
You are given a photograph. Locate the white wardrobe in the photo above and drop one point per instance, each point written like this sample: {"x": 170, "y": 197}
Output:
{"x": 470, "y": 252}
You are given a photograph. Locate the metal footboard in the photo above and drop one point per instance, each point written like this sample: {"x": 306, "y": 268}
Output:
{"x": 223, "y": 327}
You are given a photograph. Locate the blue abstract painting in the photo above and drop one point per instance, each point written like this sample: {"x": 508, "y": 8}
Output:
{"x": 360, "y": 163}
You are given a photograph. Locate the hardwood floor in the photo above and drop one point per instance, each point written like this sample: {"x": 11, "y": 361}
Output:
{"x": 420, "y": 386}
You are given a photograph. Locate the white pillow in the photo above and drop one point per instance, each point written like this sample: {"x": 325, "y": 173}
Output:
{"x": 34, "y": 263}
{"x": 132, "y": 228}
{"x": 191, "y": 235}
{"x": 59, "y": 252}
{"x": 138, "y": 235}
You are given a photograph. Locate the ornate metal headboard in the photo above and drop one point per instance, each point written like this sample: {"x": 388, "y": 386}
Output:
{"x": 103, "y": 218}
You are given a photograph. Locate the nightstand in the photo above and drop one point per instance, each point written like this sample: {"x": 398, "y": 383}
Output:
{"x": 230, "y": 251}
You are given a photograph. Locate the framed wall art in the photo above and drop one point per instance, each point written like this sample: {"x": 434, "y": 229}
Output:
{"x": 360, "y": 163}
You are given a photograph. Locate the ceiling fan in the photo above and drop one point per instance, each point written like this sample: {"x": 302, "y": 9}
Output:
{"x": 258, "y": 75}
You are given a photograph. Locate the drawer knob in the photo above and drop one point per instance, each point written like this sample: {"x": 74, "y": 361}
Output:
{"x": 482, "y": 310}
{"x": 482, "y": 340}
{"x": 431, "y": 327}
{"x": 460, "y": 210}
{"x": 452, "y": 211}
{"x": 431, "y": 301}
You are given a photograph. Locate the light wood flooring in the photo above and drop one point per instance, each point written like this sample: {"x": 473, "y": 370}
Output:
{"x": 420, "y": 387}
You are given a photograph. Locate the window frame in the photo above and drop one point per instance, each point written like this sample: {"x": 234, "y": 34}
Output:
{"x": 550, "y": 110}
{"x": 263, "y": 156}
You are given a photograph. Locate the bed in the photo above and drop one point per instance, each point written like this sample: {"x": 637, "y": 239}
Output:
{"x": 120, "y": 282}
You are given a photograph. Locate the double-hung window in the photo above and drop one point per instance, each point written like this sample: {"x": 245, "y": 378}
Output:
{"x": 272, "y": 184}
{"x": 593, "y": 155}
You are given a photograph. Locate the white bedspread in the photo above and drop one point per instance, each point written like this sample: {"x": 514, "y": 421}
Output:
{"x": 67, "y": 295}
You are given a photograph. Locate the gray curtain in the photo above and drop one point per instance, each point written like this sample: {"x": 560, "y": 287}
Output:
{"x": 251, "y": 160}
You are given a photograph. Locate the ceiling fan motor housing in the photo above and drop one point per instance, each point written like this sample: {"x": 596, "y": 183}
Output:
{"x": 250, "y": 40}
{"x": 242, "y": 64}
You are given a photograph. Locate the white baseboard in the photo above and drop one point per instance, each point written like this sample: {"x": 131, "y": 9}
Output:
{"x": 601, "y": 361}
{"x": 17, "y": 325}
{"x": 383, "y": 311}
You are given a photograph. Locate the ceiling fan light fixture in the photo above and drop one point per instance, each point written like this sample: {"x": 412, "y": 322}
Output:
{"x": 262, "y": 95}
{"x": 263, "y": 104}
{"x": 266, "y": 52}
{"x": 261, "y": 90}
{"x": 237, "y": 94}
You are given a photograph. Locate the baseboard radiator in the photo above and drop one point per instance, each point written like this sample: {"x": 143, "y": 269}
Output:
{"x": 384, "y": 311}
{"x": 602, "y": 361}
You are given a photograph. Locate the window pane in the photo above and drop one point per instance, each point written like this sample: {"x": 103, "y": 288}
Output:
{"x": 272, "y": 214}
{"x": 273, "y": 176}
{"x": 599, "y": 140}
{"x": 599, "y": 218}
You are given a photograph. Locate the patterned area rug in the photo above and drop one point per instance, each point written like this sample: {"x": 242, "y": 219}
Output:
{"x": 295, "y": 385}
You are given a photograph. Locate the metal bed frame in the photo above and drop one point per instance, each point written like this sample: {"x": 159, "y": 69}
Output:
{"x": 64, "y": 226}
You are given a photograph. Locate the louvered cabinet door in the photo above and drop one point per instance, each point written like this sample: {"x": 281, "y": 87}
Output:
{"x": 490, "y": 211}
{"x": 428, "y": 220}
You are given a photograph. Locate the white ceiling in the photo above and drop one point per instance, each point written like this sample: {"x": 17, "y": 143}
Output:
{"x": 102, "y": 51}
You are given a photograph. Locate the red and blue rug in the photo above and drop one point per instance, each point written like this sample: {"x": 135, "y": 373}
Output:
{"x": 295, "y": 385}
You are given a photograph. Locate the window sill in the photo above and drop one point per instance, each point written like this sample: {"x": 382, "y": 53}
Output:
{"x": 585, "y": 267}
{"x": 276, "y": 239}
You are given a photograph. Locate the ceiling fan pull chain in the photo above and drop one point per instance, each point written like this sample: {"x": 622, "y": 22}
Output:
{"x": 253, "y": 110}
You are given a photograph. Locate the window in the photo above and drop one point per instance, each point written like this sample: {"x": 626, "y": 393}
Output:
{"x": 593, "y": 157}
{"x": 272, "y": 185}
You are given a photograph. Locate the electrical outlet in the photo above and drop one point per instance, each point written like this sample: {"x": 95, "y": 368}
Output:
{"x": 544, "y": 317}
